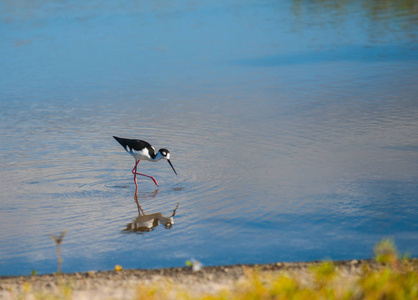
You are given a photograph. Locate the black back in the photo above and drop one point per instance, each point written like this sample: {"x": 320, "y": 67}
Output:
{"x": 136, "y": 145}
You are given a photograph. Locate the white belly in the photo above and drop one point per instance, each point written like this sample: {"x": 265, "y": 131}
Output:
{"x": 140, "y": 155}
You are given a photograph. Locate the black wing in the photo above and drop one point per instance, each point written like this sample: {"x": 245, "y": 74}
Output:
{"x": 136, "y": 145}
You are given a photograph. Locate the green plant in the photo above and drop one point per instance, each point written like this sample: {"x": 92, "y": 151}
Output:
{"x": 385, "y": 252}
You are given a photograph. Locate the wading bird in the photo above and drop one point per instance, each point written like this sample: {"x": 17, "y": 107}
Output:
{"x": 143, "y": 150}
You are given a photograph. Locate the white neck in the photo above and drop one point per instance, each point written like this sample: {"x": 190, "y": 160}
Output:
{"x": 158, "y": 157}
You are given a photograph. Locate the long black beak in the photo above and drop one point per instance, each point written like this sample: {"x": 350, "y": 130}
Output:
{"x": 171, "y": 166}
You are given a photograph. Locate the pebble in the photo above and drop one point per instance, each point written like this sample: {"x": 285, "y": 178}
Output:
{"x": 91, "y": 273}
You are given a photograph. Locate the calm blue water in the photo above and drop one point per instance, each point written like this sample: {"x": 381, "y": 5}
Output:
{"x": 293, "y": 126}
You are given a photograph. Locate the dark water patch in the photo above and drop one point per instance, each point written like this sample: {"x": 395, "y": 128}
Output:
{"x": 354, "y": 53}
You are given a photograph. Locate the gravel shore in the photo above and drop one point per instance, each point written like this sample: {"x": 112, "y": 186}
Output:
{"x": 125, "y": 284}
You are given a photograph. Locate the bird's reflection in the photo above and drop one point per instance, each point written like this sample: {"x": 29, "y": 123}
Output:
{"x": 147, "y": 222}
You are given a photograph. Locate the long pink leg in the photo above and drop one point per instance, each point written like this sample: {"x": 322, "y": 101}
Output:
{"x": 135, "y": 173}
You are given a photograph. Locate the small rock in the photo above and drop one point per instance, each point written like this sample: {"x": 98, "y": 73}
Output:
{"x": 91, "y": 273}
{"x": 279, "y": 264}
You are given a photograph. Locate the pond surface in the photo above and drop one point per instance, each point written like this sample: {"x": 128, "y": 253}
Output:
{"x": 292, "y": 125}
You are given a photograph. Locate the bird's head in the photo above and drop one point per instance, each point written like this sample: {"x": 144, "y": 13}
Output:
{"x": 165, "y": 154}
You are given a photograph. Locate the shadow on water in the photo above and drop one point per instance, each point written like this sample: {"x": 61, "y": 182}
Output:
{"x": 147, "y": 222}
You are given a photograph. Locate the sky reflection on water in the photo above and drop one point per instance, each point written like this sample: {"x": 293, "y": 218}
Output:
{"x": 292, "y": 126}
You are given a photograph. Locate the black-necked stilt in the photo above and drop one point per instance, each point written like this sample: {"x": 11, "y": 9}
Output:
{"x": 143, "y": 150}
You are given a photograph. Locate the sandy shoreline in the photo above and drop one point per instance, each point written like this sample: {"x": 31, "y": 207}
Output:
{"x": 124, "y": 284}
